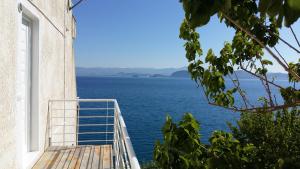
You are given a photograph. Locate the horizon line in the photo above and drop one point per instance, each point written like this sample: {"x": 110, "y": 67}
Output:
{"x": 87, "y": 67}
{"x": 151, "y": 68}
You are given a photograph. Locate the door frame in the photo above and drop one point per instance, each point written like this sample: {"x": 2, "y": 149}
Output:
{"x": 32, "y": 88}
{"x": 28, "y": 83}
{"x": 28, "y": 154}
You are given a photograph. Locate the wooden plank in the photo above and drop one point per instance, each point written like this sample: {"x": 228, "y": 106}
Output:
{"x": 54, "y": 159}
{"x": 45, "y": 159}
{"x": 106, "y": 157}
{"x": 86, "y": 157}
{"x": 69, "y": 159}
{"x": 78, "y": 162}
{"x": 60, "y": 153}
{"x": 63, "y": 159}
{"x": 83, "y": 157}
{"x": 111, "y": 157}
{"x": 96, "y": 158}
{"x": 56, "y": 152}
{"x": 75, "y": 158}
{"x": 91, "y": 158}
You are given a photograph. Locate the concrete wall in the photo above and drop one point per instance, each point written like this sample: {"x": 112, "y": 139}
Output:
{"x": 8, "y": 38}
{"x": 56, "y": 69}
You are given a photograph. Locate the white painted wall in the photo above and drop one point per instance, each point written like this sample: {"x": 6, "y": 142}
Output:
{"x": 8, "y": 38}
{"x": 53, "y": 68}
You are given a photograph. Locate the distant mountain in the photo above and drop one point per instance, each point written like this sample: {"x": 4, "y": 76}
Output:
{"x": 100, "y": 72}
{"x": 277, "y": 76}
{"x": 181, "y": 74}
{"x": 158, "y": 75}
{"x": 122, "y": 74}
{"x": 240, "y": 74}
{"x": 152, "y": 72}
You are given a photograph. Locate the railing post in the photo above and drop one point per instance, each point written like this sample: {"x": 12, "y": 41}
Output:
{"x": 115, "y": 137}
{"x": 50, "y": 122}
{"x": 64, "y": 124}
{"x": 106, "y": 121}
{"x": 47, "y": 132}
{"x": 77, "y": 120}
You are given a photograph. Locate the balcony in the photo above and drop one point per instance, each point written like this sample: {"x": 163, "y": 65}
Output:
{"x": 87, "y": 133}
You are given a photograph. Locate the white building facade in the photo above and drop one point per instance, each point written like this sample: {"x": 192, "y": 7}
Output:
{"x": 36, "y": 65}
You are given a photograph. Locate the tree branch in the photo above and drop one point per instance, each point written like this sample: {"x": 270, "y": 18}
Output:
{"x": 239, "y": 90}
{"x": 281, "y": 56}
{"x": 274, "y": 84}
{"x": 295, "y": 36}
{"x": 263, "y": 45}
{"x": 203, "y": 90}
{"x": 267, "y": 85}
{"x": 285, "y": 42}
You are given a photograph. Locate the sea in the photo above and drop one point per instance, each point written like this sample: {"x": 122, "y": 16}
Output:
{"x": 145, "y": 103}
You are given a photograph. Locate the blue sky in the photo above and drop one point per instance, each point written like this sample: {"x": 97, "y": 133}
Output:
{"x": 142, "y": 33}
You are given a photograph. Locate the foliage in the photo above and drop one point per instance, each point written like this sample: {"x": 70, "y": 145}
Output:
{"x": 182, "y": 147}
{"x": 265, "y": 137}
{"x": 200, "y": 11}
{"x": 296, "y": 68}
{"x": 256, "y": 24}
{"x": 259, "y": 141}
{"x": 277, "y": 138}
{"x": 227, "y": 152}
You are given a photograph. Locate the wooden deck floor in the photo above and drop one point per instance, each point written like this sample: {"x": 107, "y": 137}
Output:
{"x": 81, "y": 157}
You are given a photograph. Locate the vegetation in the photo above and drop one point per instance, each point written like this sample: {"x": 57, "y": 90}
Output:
{"x": 256, "y": 25}
{"x": 259, "y": 141}
{"x": 267, "y": 135}
{"x": 276, "y": 138}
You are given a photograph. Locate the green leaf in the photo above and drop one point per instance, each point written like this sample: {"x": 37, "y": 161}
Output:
{"x": 227, "y": 5}
{"x": 294, "y": 4}
{"x": 209, "y": 56}
{"x": 264, "y": 5}
{"x": 266, "y": 62}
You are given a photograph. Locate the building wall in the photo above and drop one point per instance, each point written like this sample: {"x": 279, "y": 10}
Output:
{"x": 8, "y": 37}
{"x": 56, "y": 68}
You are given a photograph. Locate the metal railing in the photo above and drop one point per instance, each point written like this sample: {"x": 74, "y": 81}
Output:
{"x": 91, "y": 122}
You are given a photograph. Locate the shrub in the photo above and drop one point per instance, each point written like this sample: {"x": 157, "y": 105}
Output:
{"x": 181, "y": 147}
{"x": 260, "y": 140}
{"x": 277, "y": 137}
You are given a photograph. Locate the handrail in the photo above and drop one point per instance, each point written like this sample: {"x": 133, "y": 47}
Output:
{"x": 84, "y": 100}
{"x": 133, "y": 159}
{"x": 124, "y": 155}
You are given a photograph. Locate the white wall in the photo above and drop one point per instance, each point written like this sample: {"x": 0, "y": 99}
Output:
{"x": 56, "y": 69}
{"x": 8, "y": 38}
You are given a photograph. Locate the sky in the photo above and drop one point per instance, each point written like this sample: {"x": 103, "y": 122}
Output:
{"x": 144, "y": 33}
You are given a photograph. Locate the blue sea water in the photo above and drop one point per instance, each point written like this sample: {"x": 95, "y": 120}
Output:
{"x": 145, "y": 102}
